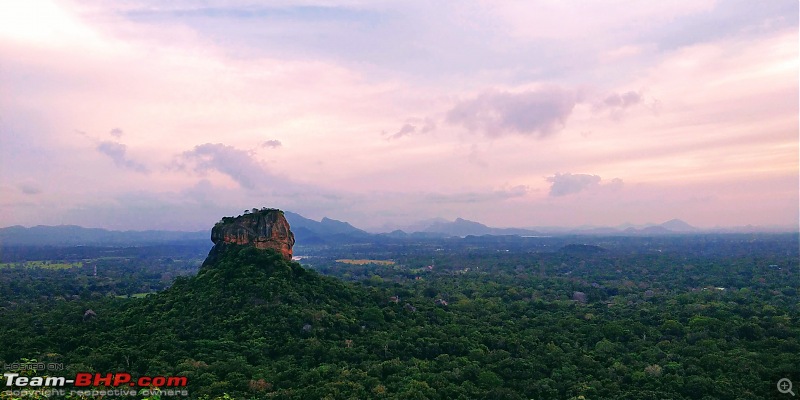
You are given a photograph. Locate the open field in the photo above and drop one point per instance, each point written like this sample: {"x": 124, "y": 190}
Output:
{"x": 364, "y": 262}
{"x": 43, "y": 264}
{"x": 135, "y": 295}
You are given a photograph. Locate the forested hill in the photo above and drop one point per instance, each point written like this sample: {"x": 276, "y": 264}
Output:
{"x": 254, "y": 325}
{"x": 258, "y": 301}
{"x": 493, "y": 319}
{"x": 243, "y": 320}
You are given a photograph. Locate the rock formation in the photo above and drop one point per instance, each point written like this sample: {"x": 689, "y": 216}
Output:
{"x": 263, "y": 229}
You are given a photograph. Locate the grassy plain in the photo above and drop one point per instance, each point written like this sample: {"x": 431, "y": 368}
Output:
{"x": 43, "y": 264}
{"x": 364, "y": 262}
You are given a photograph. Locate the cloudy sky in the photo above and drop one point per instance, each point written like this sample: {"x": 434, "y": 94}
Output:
{"x": 145, "y": 114}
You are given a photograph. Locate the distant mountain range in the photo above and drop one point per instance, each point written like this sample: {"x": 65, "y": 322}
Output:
{"x": 463, "y": 227}
{"x": 308, "y": 232}
{"x": 331, "y": 231}
{"x": 74, "y": 235}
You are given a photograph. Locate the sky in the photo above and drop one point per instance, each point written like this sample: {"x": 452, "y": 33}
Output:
{"x": 145, "y": 114}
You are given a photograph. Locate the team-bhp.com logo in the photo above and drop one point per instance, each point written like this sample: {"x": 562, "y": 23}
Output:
{"x": 94, "y": 384}
{"x": 85, "y": 379}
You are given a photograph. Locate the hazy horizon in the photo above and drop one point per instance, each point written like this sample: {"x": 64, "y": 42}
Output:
{"x": 145, "y": 115}
{"x": 424, "y": 225}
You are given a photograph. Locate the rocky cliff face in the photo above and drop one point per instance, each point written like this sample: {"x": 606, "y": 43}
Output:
{"x": 262, "y": 229}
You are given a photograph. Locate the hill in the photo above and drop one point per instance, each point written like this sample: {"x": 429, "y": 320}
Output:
{"x": 463, "y": 227}
{"x": 72, "y": 235}
{"x": 569, "y": 322}
{"x": 459, "y": 227}
{"x": 225, "y": 329}
{"x": 310, "y": 232}
{"x": 676, "y": 225}
{"x": 248, "y": 320}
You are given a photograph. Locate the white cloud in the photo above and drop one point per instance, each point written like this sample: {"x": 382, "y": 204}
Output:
{"x": 272, "y": 143}
{"x": 117, "y": 152}
{"x": 568, "y": 183}
{"x": 533, "y": 112}
{"x": 237, "y": 164}
{"x": 510, "y": 73}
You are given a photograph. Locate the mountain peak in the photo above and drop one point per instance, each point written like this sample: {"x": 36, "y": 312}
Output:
{"x": 266, "y": 228}
{"x": 338, "y": 225}
{"x": 459, "y": 227}
{"x": 677, "y": 225}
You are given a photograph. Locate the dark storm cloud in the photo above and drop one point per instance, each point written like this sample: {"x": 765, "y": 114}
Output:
{"x": 534, "y": 112}
{"x": 117, "y": 152}
{"x": 272, "y": 143}
{"x": 238, "y": 164}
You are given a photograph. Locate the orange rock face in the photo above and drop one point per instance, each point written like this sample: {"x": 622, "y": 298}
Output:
{"x": 265, "y": 229}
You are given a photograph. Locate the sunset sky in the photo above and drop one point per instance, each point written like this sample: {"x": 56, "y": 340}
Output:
{"x": 169, "y": 115}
